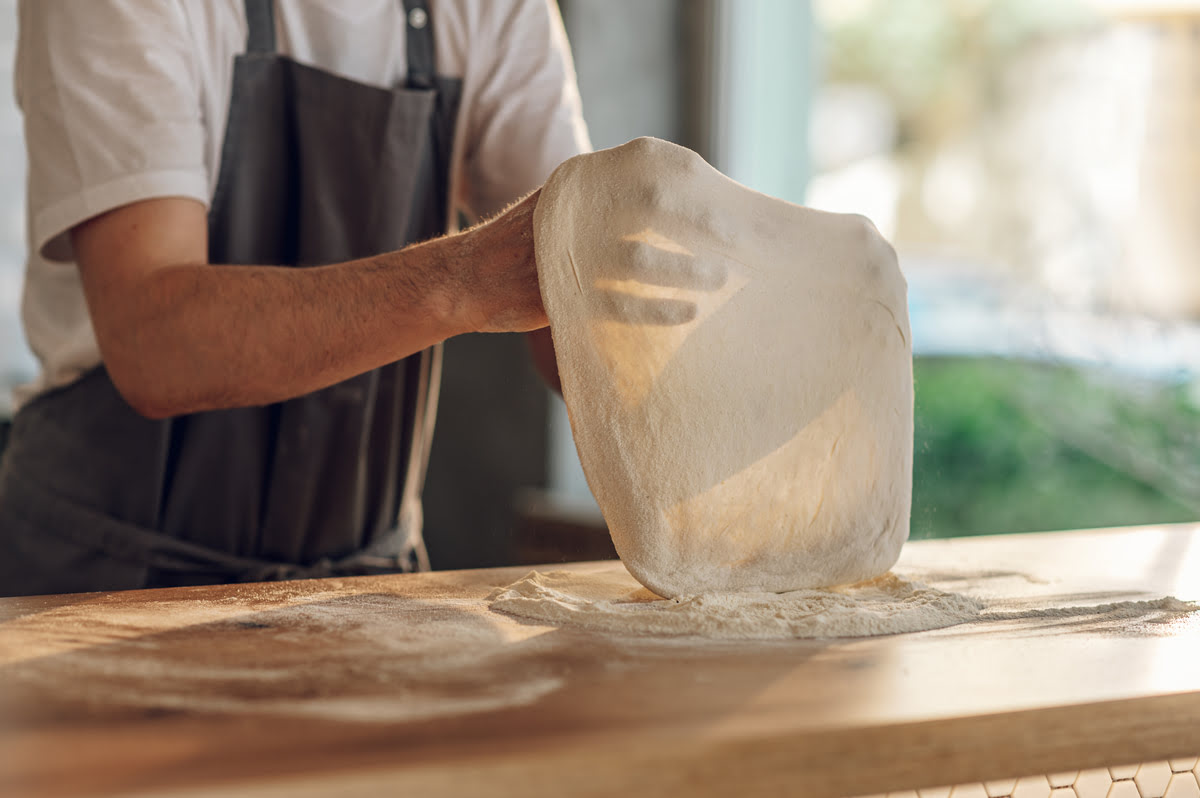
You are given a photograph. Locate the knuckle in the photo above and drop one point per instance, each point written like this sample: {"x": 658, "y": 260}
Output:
{"x": 875, "y": 254}
{"x": 690, "y": 161}
{"x": 860, "y": 228}
{"x": 652, "y": 163}
{"x": 639, "y": 154}
{"x": 652, "y": 194}
{"x": 713, "y": 223}
{"x": 643, "y": 146}
{"x": 645, "y": 150}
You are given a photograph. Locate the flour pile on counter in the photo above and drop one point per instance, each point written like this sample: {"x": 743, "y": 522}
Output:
{"x": 738, "y": 375}
{"x": 614, "y": 602}
{"x": 611, "y": 601}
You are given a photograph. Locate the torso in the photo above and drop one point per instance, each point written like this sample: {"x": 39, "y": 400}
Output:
{"x": 511, "y": 56}
{"x": 363, "y": 40}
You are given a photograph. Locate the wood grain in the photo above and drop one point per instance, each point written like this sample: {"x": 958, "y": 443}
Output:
{"x": 383, "y": 684}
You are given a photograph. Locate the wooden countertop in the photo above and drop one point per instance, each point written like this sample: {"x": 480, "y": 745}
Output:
{"x": 408, "y": 685}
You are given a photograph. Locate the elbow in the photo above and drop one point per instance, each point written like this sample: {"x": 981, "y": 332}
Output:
{"x": 145, "y": 401}
{"x": 141, "y": 389}
{"x": 152, "y": 409}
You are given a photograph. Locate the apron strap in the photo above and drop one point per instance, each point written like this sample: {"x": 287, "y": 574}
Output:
{"x": 260, "y": 19}
{"x": 422, "y": 65}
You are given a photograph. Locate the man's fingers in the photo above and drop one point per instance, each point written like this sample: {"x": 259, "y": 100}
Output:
{"x": 684, "y": 219}
{"x": 646, "y": 263}
{"x": 674, "y": 190}
{"x": 704, "y": 224}
{"x": 623, "y": 307}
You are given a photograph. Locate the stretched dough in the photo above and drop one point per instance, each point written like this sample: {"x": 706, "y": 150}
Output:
{"x": 737, "y": 371}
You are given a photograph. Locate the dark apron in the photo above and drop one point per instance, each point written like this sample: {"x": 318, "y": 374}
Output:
{"x": 315, "y": 169}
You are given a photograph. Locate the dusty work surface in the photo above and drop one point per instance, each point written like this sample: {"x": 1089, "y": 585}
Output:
{"x": 410, "y": 685}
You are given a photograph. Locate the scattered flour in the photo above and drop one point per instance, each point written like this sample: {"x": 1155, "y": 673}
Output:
{"x": 374, "y": 657}
{"x": 613, "y": 602}
{"x": 381, "y": 657}
{"x": 1114, "y": 611}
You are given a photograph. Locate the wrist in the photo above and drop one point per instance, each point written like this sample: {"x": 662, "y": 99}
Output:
{"x": 439, "y": 271}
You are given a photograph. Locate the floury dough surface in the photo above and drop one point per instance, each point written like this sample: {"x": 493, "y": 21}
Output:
{"x": 613, "y": 602}
{"x": 766, "y": 443}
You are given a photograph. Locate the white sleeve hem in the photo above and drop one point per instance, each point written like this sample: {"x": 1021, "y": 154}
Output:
{"x": 50, "y": 225}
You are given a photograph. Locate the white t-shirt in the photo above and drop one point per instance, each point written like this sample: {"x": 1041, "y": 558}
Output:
{"x": 126, "y": 100}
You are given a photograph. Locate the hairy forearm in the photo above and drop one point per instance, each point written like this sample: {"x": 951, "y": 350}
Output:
{"x": 180, "y": 335}
{"x": 205, "y": 337}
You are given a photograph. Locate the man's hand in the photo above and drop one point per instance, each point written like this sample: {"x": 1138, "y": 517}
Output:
{"x": 498, "y": 279}
{"x": 180, "y": 335}
{"x": 652, "y": 243}
{"x": 651, "y": 250}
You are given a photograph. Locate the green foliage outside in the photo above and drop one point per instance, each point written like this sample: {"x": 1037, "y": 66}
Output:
{"x": 935, "y": 58}
{"x": 1010, "y": 446}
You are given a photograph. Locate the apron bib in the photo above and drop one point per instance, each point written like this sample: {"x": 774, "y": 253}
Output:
{"x": 315, "y": 169}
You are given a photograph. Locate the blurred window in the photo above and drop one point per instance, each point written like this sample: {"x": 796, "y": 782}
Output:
{"x": 1035, "y": 165}
{"x": 16, "y": 362}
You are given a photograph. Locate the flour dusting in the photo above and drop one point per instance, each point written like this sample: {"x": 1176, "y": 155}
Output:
{"x": 373, "y": 657}
{"x": 613, "y": 602}
{"x": 1114, "y": 611}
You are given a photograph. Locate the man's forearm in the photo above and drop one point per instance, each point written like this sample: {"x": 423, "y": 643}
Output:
{"x": 179, "y": 335}
{"x": 206, "y": 337}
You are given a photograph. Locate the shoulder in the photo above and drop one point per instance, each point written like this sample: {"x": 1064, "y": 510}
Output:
{"x": 111, "y": 94}
{"x": 470, "y": 33}
{"x": 57, "y": 38}
{"x": 493, "y": 14}
{"x": 55, "y": 22}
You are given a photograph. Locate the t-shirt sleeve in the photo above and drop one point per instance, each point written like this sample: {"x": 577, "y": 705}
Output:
{"x": 110, "y": 93}
{"x": 526, "y": 117}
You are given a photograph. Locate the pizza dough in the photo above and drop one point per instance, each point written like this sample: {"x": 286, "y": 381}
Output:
{"x": 737, "y": 371}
